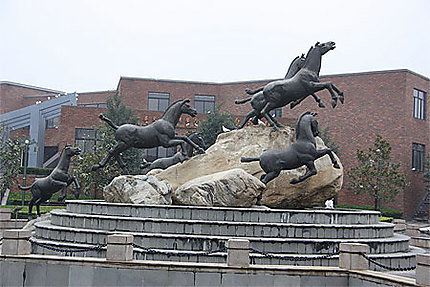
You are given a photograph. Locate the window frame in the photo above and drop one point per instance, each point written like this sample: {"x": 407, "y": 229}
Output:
{"x": 160, "y": 97}
{"x": 204, "y": 99}
{"x": 418, "y": 156}
{"x": 419, "y": 105}
{"x": 87, "y": 143}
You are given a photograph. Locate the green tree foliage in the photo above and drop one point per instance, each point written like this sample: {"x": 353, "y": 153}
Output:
{"x": 211, "y": 127}
{"x": 10, "y": 161}
{"x": 426, "y": 174}
{"x": 376, "y": 175}
{"x": 328, "y": 141}
{"x": 95, "y": 181}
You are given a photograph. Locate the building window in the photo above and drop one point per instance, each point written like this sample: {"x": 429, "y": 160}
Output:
{"x": 158, "y": 101}
{"x": 418, "y": 151}
{"x": 94, "y": 105}
{"x": 276, "y": 113}
{"x": 204, "y": 104}
{"x": 52, "y": 123}
{"x": 86, "y": 139}
{"x": 152, "y": 154}
{"x": 419, "y": 104}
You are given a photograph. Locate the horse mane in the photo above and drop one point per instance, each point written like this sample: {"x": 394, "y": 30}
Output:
{"x": 175, "y": 102}
{"x": 298, "y": 123}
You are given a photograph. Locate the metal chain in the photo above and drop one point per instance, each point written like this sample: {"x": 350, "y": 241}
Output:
{"x": 388, "y": 267}
{"x": 67, "y": 250}
{"x": 170, "y": 253}
{"x": 293, "y": 258}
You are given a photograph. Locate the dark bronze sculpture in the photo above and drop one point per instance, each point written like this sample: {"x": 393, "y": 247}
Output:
{"x": 44, "y": 188}
{"x": 304, "y": 83}
{"x": 258, "y": 102}
{"x": 301, "y": 152}
{"x": 159, "y": 133}
{"x": 180, "y": 156}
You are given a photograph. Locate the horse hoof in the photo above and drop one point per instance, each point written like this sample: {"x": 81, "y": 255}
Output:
{"x": 333, "y": 104}
{"x": 342, "y": 99}
{"x": 336, "y": 165}
{"x": 321, "y": 105}
{"x": 294, "y": 181}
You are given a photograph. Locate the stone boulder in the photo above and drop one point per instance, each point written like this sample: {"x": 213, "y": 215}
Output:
{"x": 251, "y": 141}
{"x": 233, "y": 187}
{"x": 141, "y": 189}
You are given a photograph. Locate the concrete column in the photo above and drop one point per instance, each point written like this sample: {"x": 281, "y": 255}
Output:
{"x": 422, "y": 275}
{"x": 238, "y": 252}
{"x": 119, "y": 247}
{"x": 4, "y": 214}
{"x": 350, "y": 258}
{"x": 15, "y": 242}
{"x": 399, "y": 225}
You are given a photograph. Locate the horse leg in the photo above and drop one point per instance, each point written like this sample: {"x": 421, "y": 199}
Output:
{"x": 30, "y": 207}
{"x": 339, "y": 92}
{"x": 329, "y": 152}
{"x": 116, "y": 150}
{"x": 265, "y": 112}
{"x": 247, "y": 117}
{"x": 312, "y": 171}
{"x": 265, "y": 178}
{"x": 187, "y": 140}
{"x": 318, "y": 100}
{"x": 329, "y": 86}
{"x": 77, "y": 186}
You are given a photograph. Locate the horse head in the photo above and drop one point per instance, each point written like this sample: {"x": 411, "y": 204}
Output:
{"x": 187, "y": 109}
{"x": 325, "y": 47}
{"x": 70, "y": 151}
{"x": 307, "y": 126}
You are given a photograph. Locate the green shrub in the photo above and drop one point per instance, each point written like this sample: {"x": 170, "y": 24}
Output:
{"x": 385, "y": 219}
{"x": 385, "y": 211}
{"x": 36, "y": 170}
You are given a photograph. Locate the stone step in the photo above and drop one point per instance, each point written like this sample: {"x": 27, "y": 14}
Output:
{"x": 45, "y": 230}
{"x": 226, "y": 228}
{"x": 397, "y": 260}
{"x": 258, "y": 214}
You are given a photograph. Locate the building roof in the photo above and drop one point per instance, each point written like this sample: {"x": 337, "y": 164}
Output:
{"x": 31, "y": 87}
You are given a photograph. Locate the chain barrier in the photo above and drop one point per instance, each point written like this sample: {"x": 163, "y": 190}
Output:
{"x": 67, "y": 251}
{"x": 293, "y": 258}
{"x": 170, "y": 253}
{"x": 388, "y": 267}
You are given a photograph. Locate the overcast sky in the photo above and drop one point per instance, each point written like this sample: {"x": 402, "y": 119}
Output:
{"x": 88, "y": 45}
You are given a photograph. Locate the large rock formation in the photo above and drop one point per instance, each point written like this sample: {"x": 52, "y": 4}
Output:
{"x": 138, "y": 189}
{"x": 233, "y": 187}
{"x": 251, "y": 141}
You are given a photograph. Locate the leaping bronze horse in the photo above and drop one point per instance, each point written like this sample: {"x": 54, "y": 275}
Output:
{"x": 304, "y": 83}
{"x": 159, "y": 133}
{"x": 301, "y": 152}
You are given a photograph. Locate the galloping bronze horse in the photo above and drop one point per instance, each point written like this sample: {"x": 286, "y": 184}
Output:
{"x": 304, "y": 83}
{"x": 159, "y": 133}
{"x": 301, "y": 152}
{"x": 59, "y": 178}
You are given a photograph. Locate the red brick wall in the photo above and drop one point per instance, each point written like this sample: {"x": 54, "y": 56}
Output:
{"x": 94, "y": 97}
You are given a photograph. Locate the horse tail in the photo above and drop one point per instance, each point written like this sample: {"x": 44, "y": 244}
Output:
{"x": 249, "y": 159}
{"x": 253, "y": 92}
{"x": 24, "y": 187}
{"x": 238, "y": 102}
{"x": 108, "y": 121}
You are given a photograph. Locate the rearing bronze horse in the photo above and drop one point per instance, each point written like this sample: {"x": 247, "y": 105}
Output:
{"x": 305, "y": 82}
{"x": 301, "y": 152}
{"x": 159, "y": 133}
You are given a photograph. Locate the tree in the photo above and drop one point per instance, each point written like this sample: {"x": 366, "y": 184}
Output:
{"x": 328, "y": 141}
{"x": 211, "y": 127}
{"x": 376, "y": 175}
{"x": 10, "y": 161}
{"x": 95, "y": 181}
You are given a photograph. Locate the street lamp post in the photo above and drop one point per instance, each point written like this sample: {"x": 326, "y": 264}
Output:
{"x": 24, "y": 177}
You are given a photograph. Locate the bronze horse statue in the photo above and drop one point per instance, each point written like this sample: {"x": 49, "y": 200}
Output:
{"x": 304, "y": 83}
{"x": 179, "y": 157}
{"x": 258, "y": 102}
{"x": 159, "y": 133}
{"x": 44, "y": 188}
{"x": 301, "y": 152}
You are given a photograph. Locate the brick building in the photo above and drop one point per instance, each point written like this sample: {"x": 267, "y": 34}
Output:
{"x": 393, "y": 104}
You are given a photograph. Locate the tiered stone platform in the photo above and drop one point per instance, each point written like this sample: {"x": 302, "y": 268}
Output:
{"x": 183, "y": 233}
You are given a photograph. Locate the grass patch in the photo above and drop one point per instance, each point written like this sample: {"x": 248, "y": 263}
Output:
{"x": 24, "y": 211}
